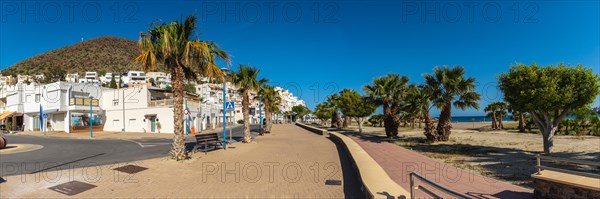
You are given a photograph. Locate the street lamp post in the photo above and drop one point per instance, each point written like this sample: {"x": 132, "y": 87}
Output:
{"x": 260, "y": 114}
{"x": 91, "y": 135}
{"x": 224, "y": 112}
{"x": 186, "y": 116}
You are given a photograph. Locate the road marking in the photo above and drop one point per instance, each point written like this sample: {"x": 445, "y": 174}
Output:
{"x": 149, "y": 144}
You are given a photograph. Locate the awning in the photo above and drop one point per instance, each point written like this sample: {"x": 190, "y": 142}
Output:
{"x": 6, "y": 114}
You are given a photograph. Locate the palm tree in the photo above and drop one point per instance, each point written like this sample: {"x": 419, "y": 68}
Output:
{"x": 419, "y": 101}
{"x": 246, "y": 80}
{"x": 176, "y": 47}
{"x": 388, "y": 92}
{"x": 271, "y": 100}
{"x": 517, "y": 115}
{"x": 501, "y": 112}
{"x": 491, "y": 110}
{"x": 333, "y": 100}
{"x": 450, "y": 88}
{"x": 323, "y": 112}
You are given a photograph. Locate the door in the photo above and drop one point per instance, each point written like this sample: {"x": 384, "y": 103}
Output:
{"x": 153, "y": 124}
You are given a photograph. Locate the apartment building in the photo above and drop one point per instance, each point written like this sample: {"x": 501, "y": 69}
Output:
{"x": 142, "y": 108}
{"x": 67, "y": 106}
{"x": 107, "y": 78}
{"x": 90, "y": 77}
{"x": 161, "y": 79}
{"x": 134, "y": 77}
{"x": 72, "y": 78}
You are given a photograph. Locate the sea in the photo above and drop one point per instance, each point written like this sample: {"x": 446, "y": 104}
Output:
{"x": 486, "y": 119}
{"x": 476, "y": 119}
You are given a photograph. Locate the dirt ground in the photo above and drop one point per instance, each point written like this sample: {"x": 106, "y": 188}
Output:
{"x": 504, "y": 154}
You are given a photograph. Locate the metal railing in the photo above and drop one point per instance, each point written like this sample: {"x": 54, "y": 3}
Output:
{"x": 540, "y": 167}
{"x": 414, "y": 175}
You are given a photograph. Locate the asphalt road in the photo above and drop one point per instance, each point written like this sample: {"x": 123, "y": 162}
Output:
{"x": 69, "y": 153}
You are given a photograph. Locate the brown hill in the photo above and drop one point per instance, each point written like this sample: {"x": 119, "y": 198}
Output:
{"x": 102, "y": 53}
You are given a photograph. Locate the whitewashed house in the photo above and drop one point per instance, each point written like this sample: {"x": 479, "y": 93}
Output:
{"x": 72, "y": 78}
{"x": 108, "y": 77}
{"x": 90, "y": 77}
{"x": 67, "y": 106}
{"x": 134, "y": 77}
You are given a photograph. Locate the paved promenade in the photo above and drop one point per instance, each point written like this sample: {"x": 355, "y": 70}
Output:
{"x": 288, "y": 163}
{"x": 399, "y": 162}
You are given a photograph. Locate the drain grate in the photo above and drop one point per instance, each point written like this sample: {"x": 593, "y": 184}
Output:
{"x": 333, "y": 182}
{"x": 130, "y": 169}
{"x": 72, "y": 188}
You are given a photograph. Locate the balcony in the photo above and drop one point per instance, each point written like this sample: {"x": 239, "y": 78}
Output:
{"x": 163, "y": 102}
{"x": 83, "y": 102}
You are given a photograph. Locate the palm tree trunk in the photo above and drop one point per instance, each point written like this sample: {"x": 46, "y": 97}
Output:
{"x": 178, "y": 148}
{"x": 246, "y": 111}
{"x": 388, "y": 120}
{"x": 494, "y": 123}
{"x": 521, "y": 122}
{"x": 500, "y": 124}
{"x": 430, "y": 128}
{"x": 395, "y": 118}
{"x": 347, "y": 121}
{"x": 268, "y": 122}
{"x": 444, "y": 125}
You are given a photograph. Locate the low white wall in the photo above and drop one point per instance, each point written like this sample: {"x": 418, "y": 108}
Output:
{"x": 134, "y": 119}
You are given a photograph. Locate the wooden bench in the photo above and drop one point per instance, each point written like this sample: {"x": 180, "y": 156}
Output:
{"x": 206, "y": 139}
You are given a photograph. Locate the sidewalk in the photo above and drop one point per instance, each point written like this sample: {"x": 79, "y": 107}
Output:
{"x": 399, "y": 162}
{"x": 287, "y": 163}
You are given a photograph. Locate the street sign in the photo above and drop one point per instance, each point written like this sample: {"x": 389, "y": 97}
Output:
{"x": 45, "y": 115}
{"x": 229, "y": 106}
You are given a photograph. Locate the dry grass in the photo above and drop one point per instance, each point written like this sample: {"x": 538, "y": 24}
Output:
{"x": 504, "y": 155}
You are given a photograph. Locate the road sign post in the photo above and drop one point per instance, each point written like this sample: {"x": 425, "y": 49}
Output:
{"x": 230, "y": 107}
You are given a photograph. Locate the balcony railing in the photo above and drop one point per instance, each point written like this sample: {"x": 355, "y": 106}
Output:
{"x": 83, "y": 102}
{"x": 163, "y": 102}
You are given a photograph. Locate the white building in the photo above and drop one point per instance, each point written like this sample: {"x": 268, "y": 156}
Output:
{"x": 24, "y": 79}
{"x": 108, "y": 77}
{"x": 90, "y": 77}
{"x": 161, "y": 79}
{"x": 72, "y": 78}
{"x": 134, "y": 77}
{"x": 6, "y": 80}
{"x": 66, "y": 105}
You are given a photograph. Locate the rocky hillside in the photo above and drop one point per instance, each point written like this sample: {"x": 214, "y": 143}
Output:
{"x": 102, "y": 53}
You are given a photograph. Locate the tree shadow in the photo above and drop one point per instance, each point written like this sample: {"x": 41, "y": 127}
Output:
{"x": 495, "y": 162}
{"x": 507, "y": 164}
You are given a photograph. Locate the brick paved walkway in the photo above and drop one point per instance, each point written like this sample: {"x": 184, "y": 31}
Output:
{"x": 288, "y": 163}
{"x": 398, "y": 162}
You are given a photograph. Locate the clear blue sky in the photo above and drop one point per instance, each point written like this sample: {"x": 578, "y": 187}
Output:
{"x": 315, "y": 48}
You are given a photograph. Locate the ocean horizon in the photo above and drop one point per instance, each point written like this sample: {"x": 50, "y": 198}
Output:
{"x": 486, "y": 119}
{"x": 476, "y": 118}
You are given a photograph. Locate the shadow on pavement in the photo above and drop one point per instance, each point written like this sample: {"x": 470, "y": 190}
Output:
{"x": 351, "y": 182}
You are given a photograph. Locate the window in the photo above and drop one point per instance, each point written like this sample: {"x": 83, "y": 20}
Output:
{"x": 37, "y": 97}
{"x": 131, "y": 122}
{"x": 116, "y": 102}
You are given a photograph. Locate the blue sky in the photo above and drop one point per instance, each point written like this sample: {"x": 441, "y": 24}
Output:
{"x": 317, "y": 48}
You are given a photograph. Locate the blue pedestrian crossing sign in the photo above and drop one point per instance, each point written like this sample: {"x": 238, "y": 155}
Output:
{"x": 45, "y": 115}
{"x": 229, "y": 106}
